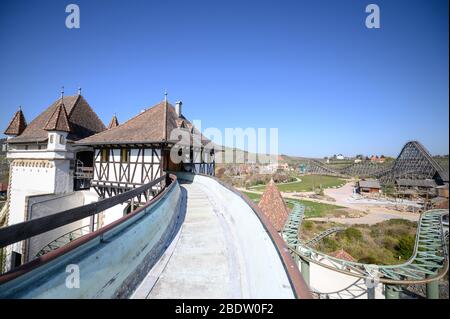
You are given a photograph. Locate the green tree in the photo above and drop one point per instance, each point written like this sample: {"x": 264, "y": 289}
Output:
{"x": 405, "y": 246}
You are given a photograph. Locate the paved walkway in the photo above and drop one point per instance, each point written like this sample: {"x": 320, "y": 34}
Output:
{"x": 199, "y": 263}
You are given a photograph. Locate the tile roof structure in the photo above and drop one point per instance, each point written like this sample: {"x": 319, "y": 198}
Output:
{"x": 82, "y": 119}
{"x": 114, "y": 122}
{"x": 153, "y": 125}
{"x": 17, "y": 124}
{"x": 369, "y": 184}
{"x": 58, "y": 121}
{"x": 342, "y": 254}
{"x": 429, "y": 183}
{"x": 273, "y": 206}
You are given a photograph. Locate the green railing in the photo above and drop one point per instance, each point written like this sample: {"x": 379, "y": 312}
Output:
{"x": 428, "y": 263}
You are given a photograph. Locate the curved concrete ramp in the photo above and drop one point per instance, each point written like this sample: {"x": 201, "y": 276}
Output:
{"x": 200, "y": 240}
{"x": 221, "y": 251}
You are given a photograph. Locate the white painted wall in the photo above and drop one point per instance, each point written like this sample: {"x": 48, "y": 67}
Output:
{"x": 135, "y": 165}
{"x": 327, "y": 281}
{"x": 114, "y": 213}
{"x": 45, "y": 205}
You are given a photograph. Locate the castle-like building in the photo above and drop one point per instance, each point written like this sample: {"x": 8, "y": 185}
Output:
{"x": 66, "y": 158}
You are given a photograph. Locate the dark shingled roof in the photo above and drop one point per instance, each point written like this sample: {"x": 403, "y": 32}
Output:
{"x": 369, "y": 184}
{"x": 17, "y": 124}
{"x": 58, "y": 121}
{"x": 153, "y": 125}
{"x": 430, "y": 183}
{"x": 83, "y": 121}
{"x": 114, "y": 122}
{"x": 273, "y": 206}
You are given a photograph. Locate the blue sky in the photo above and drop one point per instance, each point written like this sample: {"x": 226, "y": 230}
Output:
{"x": 310, "y": 68}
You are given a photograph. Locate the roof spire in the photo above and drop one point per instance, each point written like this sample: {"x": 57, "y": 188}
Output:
{"x": 17, "y": 124}
{"x": 165, "y": 96}
{"x": 62, "y": 93}
{"x": 79, "y": 90}
{"x": 59, "y": 120}
{"x": 114, "y": 122}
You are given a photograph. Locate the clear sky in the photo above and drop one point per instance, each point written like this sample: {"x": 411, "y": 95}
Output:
{"x": 310, "y": 68}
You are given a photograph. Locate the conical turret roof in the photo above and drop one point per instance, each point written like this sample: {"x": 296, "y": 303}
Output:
{"x": 273, "y": 206}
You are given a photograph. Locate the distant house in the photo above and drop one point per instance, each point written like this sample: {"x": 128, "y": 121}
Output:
{"x": 340, "y": 157}
{"x": 377, "y": 159}
{"x": 368, "y": 186}
{"x": 358, "y": 160}
{"x": 342, "y": 254}
{"x": 416, "y": 186}
{"x": 268, "y": 168}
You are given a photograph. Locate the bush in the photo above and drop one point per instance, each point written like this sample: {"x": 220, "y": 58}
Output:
{"x": 307, "y": 224}
{"x": 352, "y": 233}
{"x": 330, "y": 244}
{"x": 389, "y": 243}
{"x": 405, "y": 246}
{"x": 368, "y": 260}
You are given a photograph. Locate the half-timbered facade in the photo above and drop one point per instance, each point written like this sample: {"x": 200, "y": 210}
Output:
{"x": 139, "y": 151}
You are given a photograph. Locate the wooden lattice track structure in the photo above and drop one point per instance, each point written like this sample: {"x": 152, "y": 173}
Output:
{"x": 413, "y": 162}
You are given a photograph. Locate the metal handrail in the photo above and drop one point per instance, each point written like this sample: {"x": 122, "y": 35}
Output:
{"x": 27, "y": 229}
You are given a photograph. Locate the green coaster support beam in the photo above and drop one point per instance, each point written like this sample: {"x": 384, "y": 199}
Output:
{"x": 304, "y": 269}
{"x": 433, "y": 289}
{"x": 391, "y": 292}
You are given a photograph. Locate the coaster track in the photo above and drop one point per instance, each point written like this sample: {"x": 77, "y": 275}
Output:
{"x": 429, "y": 261}
{"x": 316, "y": 239}
{"x": 413, "y": 162}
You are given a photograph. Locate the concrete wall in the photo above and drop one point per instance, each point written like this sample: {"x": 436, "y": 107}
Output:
{"x": 327, "y": 281}
{"x": 31, "y": 177}
{"x": 110, "y": 266}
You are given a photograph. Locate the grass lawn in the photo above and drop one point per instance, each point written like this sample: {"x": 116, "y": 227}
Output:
{"x": 307, "y": 184}
{"x": 312, "y": 209}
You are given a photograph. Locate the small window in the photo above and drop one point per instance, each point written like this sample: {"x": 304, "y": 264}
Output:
{"x": 124, "y": 155}
{"x": 51, "y": 139}
{"x": 105, "y": 155}
{"x": 61, "y": 139}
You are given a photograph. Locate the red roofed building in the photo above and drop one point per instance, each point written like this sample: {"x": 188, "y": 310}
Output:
{"x": 273, "y": 206}
{"x": 342, "y": 254}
